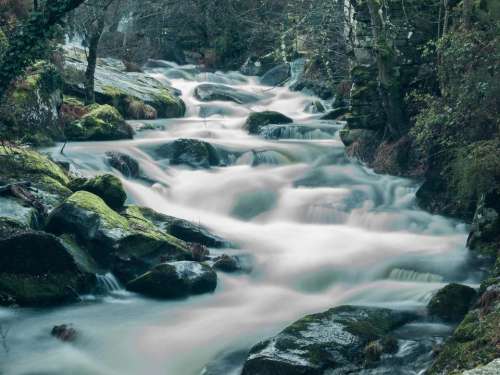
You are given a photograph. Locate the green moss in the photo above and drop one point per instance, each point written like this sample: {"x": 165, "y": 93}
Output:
{"x": 4, "y": 43}
{"x": 73, "y": 101}
{"x": 168, "y": 105}
{"x": 107, "y": 187}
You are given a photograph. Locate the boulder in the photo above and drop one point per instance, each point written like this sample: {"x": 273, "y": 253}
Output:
{"x": 109, "y": 235}
{"x": 122, "y": 89}
{"x": 334, "y": 340}
{"x": 315, "y": 107}
{"x": 350, "y": 136}
{"x": 210, "y": 92}
{"x": 101, "y": 123}
{"x": 174, "y": 280}
{"x": 452, "y": 302}
{"x": 182, "y": 229}
{"x": 107, "y": 187}
{"x": 276, "y": 76}
{"x": 336, "y": 113}
{"x": 127, "y": 165}
{"x": 37, "y": 270}
{"x": 226, "y": 263}
{"x": 64, "y": 333}
{"x": 258, "y": 120}
{"x": 190, "y": 152}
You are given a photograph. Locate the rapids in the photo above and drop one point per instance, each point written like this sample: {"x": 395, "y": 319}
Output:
{"x": 315, "y": 229}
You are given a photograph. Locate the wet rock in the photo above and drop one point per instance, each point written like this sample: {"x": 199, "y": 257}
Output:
{"x": 119, "y": 88}
{"x": 190, "y": 152}
{"x": 127, "y": 165}
{"x": 110, "y": 235}
{"x": 276, "y": 76}
{"x": 174, "y": 280}
{"x": 336, "y": 114}
{"x": 210, "y": 92}
{"x": 452, "y": 302}
{"x": 258, "y": 120}
{"x": 492, "y": 368}
{"x": 102, "y": 123}
{"x": 37, "y": 270}
{"x": 64, "y": 333}
{"x": 315, "y": 107}
{"x": 226, "y": 263}
{"x": 334, "y": 340}
{"x": 107, "y": 187}
{"x": 351, "y": 136}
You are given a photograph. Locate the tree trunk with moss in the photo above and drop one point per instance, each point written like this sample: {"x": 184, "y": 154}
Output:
{"x": 29, "y": 41}
{"x": 389, "y": 81}
{"x": 94, "y": 39}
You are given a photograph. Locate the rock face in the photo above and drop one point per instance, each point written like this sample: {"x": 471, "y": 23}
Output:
{"x": 123, "y": 90}
{"x": 127, "y": 165}
{"x": 276, "y": 76}
{"x": 258, "y": 120}
{"x": 209, "y": 92}
{"x": 190, "y": 152}
{"x": 452, "y": 302}
{"x": 107, "y": 187}
{"x": 37, "y": 270}
{"x": 334, "y": 340}
{"x": 102, "y": 123}
{"x": 174, "y": 280}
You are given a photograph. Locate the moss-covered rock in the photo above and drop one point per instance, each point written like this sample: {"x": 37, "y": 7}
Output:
{"x": 334, "y": 340}
{"x": 101, "y": 123}
{"x": 452, "y": 302}
{"x": 107, "y": 187}
{"x": 258, "y": 120}
{"x": 174, "y": 280}
{"x": 191, "y": 152}
{"x": 36, "y": 270}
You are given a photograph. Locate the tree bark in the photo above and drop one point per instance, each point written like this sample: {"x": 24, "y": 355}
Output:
{"x": 390, "y": 85}
{"x": 29, "y": 40}
{"x": 95, "y": 37}
{"x": 467, "y": 13}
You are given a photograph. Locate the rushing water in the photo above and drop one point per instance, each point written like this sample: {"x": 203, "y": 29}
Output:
{"x": 317, "y": 230}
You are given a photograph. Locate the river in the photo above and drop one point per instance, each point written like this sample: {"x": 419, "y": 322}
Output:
{"x": 313, "y": 228}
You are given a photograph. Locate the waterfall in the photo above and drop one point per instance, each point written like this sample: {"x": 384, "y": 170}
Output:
{"x": 414, "y": 276}
{"x": 108, "y": 283}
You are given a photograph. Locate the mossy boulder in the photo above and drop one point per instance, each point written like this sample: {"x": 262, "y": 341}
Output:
{"x": 258, "y": 120}
{"x": 127, "y": 165}
{"x": 452, "y": 302}
{"x": 211, "y": 92}
{"x": 31, "y": 109}
{"x": 126, "y": 242}
{"x": 174, "y": 280}
{"x": 37, "y": 270}
{"x": 101, "y": 123}
{"x": 107, "y": 187}
{"x": 334, "y": 340}
{"x": 190, "y": 152}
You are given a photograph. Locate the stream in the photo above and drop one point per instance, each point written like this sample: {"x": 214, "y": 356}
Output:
{"x": 313, "y": 229}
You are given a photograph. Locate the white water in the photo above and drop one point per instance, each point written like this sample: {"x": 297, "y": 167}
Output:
{"x": 318, "y": 229}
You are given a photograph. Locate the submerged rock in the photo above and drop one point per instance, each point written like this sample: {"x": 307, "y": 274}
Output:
{"x": 276, "y": 76}
{"x": 258, "y": 120}
{"x": 107, "y": 187}
{"x": 452, "y": 302}
{"x": 191, "y": 152}
{"x": 37, "y": 270}
{"x": 209, "y": 92}
{"x": 226, "y": 263}
{"x": 102, "y": 123}
{"x": 174, "y": 280}
{"x": 335, "y": 340}
{"x": 64, "y": 332}
{"x": 127, "y": 165}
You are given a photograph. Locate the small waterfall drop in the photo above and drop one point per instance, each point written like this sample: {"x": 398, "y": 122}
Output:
{"x": 414, "y": 276}
{"x": 107, "y": 283}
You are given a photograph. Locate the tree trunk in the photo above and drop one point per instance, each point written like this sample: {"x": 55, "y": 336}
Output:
{"x": 467, "y": 4}
{"x": 95, "y": 37}
{"x": 29, "y": 40}
{"x": 390, "y": 85}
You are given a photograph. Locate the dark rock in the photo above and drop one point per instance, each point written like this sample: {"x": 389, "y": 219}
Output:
{"x": 276, "y": 76}
{"x": 127, "y": 165}
{"x": 452, "y": 302}
{"x": 351, "y": 136}
{"x": 226, "y": 263}
{"x": 174, "y": 280}
{"x": 107, "y": 187}
{"x": 191, "y": 152}
{"x": 336, "y": 113}
{"x": 257, "y": 120}
{"x": 64, "y": 332}
{"x": 315, "y": 107}
{"x": 334, "y": 340}
{"x": 37, "y": 270}
{"x": 209, "y": 92}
